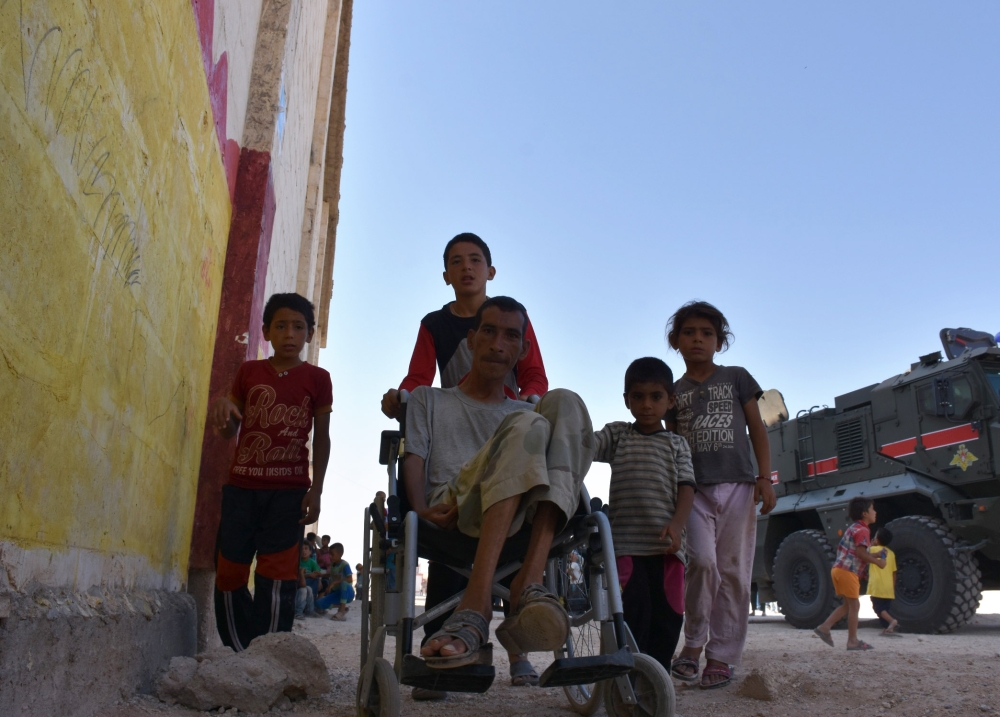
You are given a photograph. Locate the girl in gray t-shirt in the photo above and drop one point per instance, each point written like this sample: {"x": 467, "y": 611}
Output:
{"x": 716, "y": 409}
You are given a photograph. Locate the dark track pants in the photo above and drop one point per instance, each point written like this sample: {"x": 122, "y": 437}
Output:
{"x": 654, "y": 624}
{"x": 265, "y": 524}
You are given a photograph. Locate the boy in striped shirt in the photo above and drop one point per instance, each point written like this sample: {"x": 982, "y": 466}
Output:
{"x": 652, "y": 491}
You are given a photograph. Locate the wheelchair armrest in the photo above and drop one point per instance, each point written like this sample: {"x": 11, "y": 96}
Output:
{"x": 393, "y": 515}
{"x": 376, "y": 516}
{"x": 388, "y": 446}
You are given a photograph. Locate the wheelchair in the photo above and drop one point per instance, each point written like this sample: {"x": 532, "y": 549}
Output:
{"x": 599, "y": 663}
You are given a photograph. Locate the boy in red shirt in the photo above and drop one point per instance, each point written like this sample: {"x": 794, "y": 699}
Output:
{"x": 269, "y": 497}
{"x": 441, "y": 340}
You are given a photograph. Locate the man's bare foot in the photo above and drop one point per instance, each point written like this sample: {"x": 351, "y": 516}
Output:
{"x": 445, "y": 646}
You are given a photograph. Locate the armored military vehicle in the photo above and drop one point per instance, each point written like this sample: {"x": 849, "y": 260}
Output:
{"x": 925, "y": 446}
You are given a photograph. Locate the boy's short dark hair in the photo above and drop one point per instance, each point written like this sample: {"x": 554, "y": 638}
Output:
{"x": 295, "y": 302}
{"x": 884, "y": 536}
{"x": 310, "y": 536}
{"x": 701, "y": 310}
{"x": 338, "y": 546}
{"x": 326, "y": 537}
{"x": 858, "y": 507}
{"x": 506, "y": 304}
{"x": 649, "y": 370}
{"x": 472, "y": 239}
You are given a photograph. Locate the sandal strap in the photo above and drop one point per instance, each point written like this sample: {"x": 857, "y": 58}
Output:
{"x": 534, "y": 593}
{"x": 466, "y": 625}
{"x": 717, "y": 671}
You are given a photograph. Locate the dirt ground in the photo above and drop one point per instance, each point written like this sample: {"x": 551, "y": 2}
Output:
{"x": 908, "y": 675}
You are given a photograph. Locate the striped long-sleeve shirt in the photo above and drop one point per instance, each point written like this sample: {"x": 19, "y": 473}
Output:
{"x": 646, "y": 471}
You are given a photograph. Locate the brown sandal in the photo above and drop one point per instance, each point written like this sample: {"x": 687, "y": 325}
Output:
{"x": 540, "y": 623}
{"x": 472, "y": 629}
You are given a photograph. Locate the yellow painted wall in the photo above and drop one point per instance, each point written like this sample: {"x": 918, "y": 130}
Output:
{"x": 114, "y": 213}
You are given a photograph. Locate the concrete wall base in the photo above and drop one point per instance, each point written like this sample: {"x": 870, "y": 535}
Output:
{"x": 75, "y": 653}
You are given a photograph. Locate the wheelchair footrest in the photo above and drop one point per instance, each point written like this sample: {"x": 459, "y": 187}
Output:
{"x": 585, "y": 670}
{"x": 471, "y": 678}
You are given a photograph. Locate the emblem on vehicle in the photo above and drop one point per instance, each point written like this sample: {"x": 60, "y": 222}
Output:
{"x": 963, "y": 459}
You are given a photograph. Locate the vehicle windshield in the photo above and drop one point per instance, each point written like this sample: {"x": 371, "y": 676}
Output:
{"x": 993, "y": 376}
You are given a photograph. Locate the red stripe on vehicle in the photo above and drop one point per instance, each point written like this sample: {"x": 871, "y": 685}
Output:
{"x": 934, "y": 439}
{"x": 818, "y": 468}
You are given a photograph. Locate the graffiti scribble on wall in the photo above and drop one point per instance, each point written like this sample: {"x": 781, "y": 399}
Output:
{"x": 77, "y": 113}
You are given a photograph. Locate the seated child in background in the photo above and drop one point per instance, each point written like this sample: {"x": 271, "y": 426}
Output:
{"x": 850, "y": 567}
{"x": 323, "y": 558}
{"x": 652, "y": 491}
{"x": 312, "y": 569}
{"x": 340, "y": 591}
{"x": 305, "y": 597}
{"x": 882, "y": 582}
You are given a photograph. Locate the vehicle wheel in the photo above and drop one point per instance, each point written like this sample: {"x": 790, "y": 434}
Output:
{"x": 654, "y": 692}
{"x": 802, "y": 583}
{"x": 584, "y": 640}
{"x": 938, "y": 588}
{"x": 383, "y": 697}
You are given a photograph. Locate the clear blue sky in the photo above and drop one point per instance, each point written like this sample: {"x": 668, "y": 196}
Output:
{"x": 827, "y": 174}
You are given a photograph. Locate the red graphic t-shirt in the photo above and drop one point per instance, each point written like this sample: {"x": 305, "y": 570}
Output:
{"x": 278, "y": 410}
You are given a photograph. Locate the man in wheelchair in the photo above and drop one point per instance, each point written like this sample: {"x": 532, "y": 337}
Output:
{"x": 484, "y": 464}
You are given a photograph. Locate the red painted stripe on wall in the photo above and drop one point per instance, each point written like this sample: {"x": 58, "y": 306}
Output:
{"x": 238, "y": 336}
{"x": 934, "y": 439}
{"x": 217, "y": 76}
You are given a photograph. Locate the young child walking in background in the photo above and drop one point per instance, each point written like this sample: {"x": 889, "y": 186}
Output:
{"x": 716, "y": 409}
{"x": 652, "y": 489}
{"x": 882, "y": 582}
{"x": 849, "y": 569}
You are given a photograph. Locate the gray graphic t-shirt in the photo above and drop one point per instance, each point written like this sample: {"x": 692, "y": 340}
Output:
{"x": 710, "y": 417}
{"x": 447, "y": 428}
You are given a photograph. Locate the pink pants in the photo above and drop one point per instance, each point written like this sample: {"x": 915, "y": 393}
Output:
{"x": 721, "y": 533}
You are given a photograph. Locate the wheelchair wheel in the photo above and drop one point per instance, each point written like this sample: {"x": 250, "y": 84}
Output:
{"x": 654, "y": 692}
{"x": 383, "y": 697}
{"x": 584, "y": 641}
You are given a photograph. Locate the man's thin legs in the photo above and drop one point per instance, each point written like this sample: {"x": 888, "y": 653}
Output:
{"x": 543, "y": 530}
{"x": 479, "y": 594}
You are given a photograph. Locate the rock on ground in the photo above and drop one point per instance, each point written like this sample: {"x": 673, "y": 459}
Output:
{"x": 760, "y": 684}
{"x": 276, "y": 665}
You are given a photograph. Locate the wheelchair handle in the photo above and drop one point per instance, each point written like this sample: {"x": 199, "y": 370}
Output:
{"x": 376, "y": 515}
